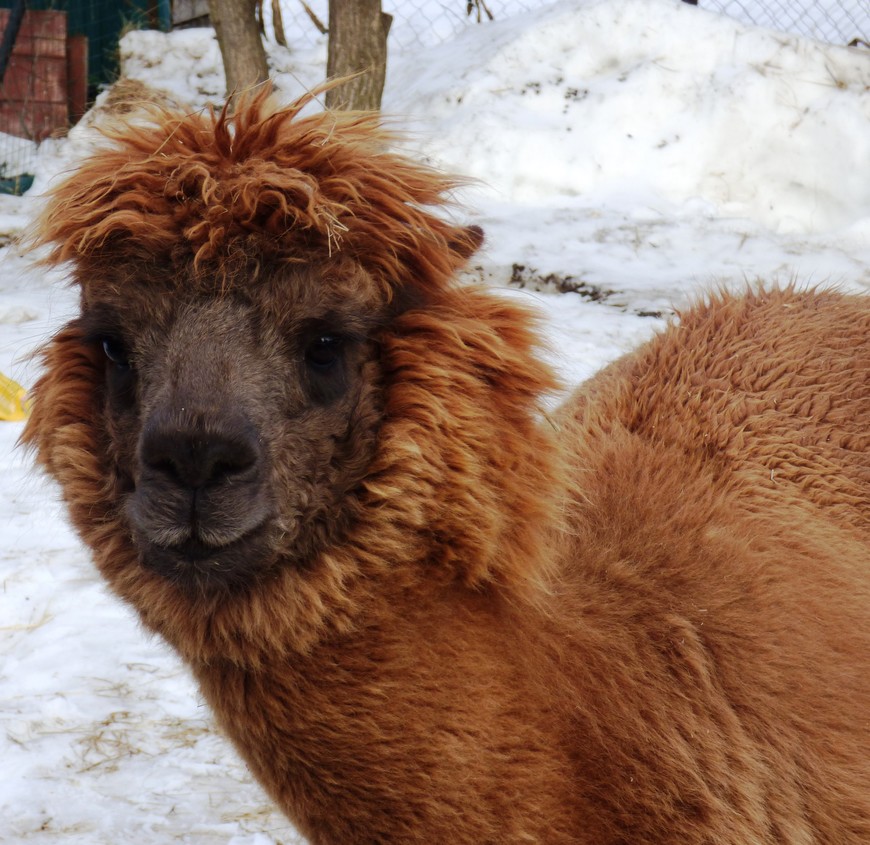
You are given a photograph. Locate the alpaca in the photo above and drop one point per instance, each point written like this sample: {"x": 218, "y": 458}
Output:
{"x": 423, "y": 609}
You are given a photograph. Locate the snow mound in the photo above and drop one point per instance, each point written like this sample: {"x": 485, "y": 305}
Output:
{"x": 606, "y": 99}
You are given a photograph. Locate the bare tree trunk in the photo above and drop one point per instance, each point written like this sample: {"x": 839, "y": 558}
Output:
{"x": 235, "y": 23}
{"x": 357, "y": 44}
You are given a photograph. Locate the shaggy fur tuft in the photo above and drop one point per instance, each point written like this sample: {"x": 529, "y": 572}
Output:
{"x": 211, "y": 195}
{"x": 421, "y": 611}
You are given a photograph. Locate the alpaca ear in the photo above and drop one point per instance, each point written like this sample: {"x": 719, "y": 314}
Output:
{"x": 462, "y": 243}
{"x": 466, "y": 242}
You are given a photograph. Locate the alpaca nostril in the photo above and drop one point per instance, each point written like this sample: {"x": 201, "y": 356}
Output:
{"x": 200, "y": 456}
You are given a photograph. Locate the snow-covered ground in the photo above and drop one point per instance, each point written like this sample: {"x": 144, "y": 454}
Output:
{"x": 634, "y": 152}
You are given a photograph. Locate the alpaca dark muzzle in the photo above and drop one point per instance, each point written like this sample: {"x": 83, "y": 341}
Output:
{"x": 200, "y": 508}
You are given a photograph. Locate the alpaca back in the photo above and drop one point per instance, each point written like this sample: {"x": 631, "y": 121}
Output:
{"x": 719, "y": 554}
{"x": 774, "y": 390}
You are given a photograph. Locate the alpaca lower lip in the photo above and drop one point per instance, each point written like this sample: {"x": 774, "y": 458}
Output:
{"x": 199, "y": 564}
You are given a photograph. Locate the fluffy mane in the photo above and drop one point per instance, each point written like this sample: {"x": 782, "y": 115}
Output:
{"x": 222, "y": 193}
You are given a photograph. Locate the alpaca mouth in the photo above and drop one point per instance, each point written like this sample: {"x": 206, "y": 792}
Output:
{"x": 194, "y": 564}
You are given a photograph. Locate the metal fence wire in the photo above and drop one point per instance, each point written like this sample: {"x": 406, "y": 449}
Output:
{"x": 303, "y": 22}
{"x": 425, "y": 23}
{"x": 846, "y": 22}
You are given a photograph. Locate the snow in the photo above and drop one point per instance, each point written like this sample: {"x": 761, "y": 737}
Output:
{"x": 636, "y": 152}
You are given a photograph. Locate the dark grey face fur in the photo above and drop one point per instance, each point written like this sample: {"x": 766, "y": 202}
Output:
{"x": 237, "y": 439}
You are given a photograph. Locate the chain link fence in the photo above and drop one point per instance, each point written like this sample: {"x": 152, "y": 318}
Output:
{"x": 426, "y": 23}
{"x": 843, "y": 22}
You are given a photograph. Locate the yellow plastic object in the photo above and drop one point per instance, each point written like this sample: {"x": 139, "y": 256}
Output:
{"x": 13, "y": 400}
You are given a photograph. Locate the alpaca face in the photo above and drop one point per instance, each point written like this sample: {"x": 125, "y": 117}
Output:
{"x": 236, "y": 425}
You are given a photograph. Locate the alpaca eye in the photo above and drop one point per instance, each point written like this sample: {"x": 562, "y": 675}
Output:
{"x": 115, "y": 351}
{"x": 323, "y": 352}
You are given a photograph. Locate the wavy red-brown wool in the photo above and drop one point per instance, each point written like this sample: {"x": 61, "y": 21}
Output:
{"x": 644, "y": 618}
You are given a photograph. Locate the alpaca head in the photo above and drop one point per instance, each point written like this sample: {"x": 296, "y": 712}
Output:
{"x": 217, "y": 414}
